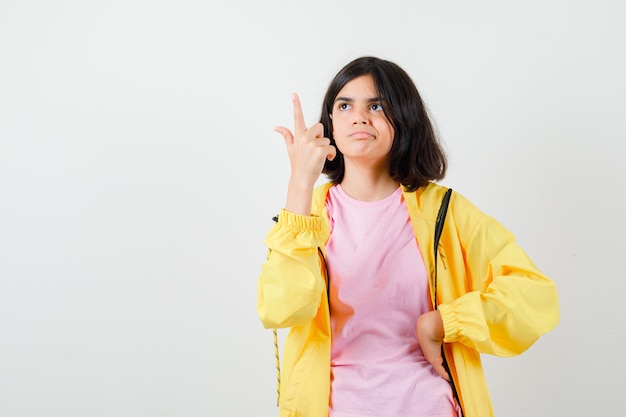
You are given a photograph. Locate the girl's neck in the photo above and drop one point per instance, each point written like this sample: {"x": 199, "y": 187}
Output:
{"x": 368, "y": 185}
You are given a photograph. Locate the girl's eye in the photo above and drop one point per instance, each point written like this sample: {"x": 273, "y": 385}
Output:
{"x": 376, "y": 107}
{"x": 344, "y": 106}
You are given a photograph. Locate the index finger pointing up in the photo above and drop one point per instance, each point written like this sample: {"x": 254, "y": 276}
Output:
{"x": 299, "y": 125}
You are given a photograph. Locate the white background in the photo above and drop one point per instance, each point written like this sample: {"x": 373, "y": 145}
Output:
{"x": 139, "y": 172}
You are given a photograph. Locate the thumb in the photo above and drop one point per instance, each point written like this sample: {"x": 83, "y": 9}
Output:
{"x": 286, "y": 134}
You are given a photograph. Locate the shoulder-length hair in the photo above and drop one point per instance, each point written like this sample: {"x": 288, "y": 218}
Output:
{"x": 416, "y": 156}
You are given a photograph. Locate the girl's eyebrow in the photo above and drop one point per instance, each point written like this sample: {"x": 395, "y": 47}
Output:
{"x": 350, "y": 100}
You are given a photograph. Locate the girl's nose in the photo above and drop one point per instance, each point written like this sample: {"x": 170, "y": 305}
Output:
{"x": 359, "y": 116}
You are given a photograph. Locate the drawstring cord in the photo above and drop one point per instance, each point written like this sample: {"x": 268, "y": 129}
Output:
{"x": 277, "y": 351}
{"x": 277, "y": 354}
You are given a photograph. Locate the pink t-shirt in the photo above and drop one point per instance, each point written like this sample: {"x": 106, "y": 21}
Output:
{"x": 378, "y": 289}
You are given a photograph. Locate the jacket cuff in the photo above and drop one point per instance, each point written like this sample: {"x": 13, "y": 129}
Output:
{"x": 451, "y": 325}
{"x": 299, "y": 222}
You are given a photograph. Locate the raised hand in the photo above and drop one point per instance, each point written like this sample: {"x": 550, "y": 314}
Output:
{"x": 308, "y": 149}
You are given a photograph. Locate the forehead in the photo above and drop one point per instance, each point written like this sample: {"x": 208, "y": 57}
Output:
{"x": 362, "y": 87}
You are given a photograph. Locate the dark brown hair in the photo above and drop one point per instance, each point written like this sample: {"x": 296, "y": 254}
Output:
{"x": 416, "y": 156}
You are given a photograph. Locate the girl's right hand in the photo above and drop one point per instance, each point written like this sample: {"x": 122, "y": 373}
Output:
{"x": 308, "y": 150}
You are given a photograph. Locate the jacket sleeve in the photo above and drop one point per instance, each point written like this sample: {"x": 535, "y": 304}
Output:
{"x": 291, "y": 283}
{"x": 510, "y": 303}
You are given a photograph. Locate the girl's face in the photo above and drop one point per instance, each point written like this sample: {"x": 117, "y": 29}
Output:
{"x": 360, "y": 128}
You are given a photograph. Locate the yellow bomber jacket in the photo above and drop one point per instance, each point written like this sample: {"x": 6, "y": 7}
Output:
{"x": 491, "y": 297}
